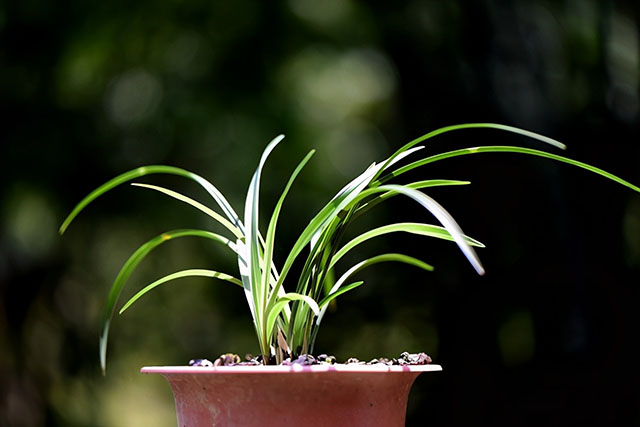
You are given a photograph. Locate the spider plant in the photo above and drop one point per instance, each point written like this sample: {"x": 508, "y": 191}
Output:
{"x": 287, "y": 322}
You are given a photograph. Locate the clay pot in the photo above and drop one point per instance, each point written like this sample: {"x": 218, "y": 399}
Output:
{"x": 318, "y": 395}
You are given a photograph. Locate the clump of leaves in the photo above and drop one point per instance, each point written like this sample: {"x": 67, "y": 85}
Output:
{"x": 287, "y": 322}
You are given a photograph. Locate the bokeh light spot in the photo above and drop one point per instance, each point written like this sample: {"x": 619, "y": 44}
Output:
{"x": 133, "y": 96}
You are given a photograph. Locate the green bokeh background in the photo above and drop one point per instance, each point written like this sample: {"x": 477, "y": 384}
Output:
{"x": 89, "y": 90}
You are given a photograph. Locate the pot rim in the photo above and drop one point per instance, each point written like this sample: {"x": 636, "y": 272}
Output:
{"x": 261, "y": 369}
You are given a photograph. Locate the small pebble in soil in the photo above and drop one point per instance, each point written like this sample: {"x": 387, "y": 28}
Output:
{"x": 323, "y": 358}
{"x": 200, "y": 362}
{"x": 231, "y": 359}
{"x": 227, "y": 359}
{"x": 303, "y": 360}
{"x": 414, "y": 359}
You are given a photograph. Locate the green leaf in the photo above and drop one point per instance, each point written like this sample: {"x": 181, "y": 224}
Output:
{"x": 415, "y": 185}
{"x": 378, "y": 259}
{"x": 271, "y": 231}
{"x": 178, "y": 275}
{"x": 282, "y": 302}
{"x": 331, "y": 296}
{"x": 253, "y": 246}
{"x": 273, "y": 314}
{"x": 213, "y": 214}
{"x": 131, "y": 264}
{"x": 362, "y": 265}
{"x": 438, "y": 211}
{"x": 148, "y": 170}
{"x": 446, "y": 129}
{"x": 509, "y": 149}
{"x": 406, "y": 227}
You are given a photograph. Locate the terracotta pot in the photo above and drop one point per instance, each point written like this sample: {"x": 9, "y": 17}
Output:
{"x": 319, "y": 395}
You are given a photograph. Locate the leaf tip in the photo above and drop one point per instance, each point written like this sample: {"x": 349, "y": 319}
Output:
{"x": 65, "y": 224}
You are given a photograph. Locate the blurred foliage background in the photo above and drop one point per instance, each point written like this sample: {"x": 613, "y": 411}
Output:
{"x": 91, "y": 89}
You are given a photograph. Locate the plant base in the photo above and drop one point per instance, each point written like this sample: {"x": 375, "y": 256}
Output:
{"x": 319, "y": 395}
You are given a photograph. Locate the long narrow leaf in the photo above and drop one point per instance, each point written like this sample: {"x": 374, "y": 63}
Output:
{"x": 367, "y": 263}
{"x": 438, "y": 211}
{"x": 178, "y": 275}
{"x": 331, "y": 296}
{"x": 406, "y": 227}
{"x": 251, "y": 216}
{"x": 271, "y": 231}
{"x": 148, "y": 170}
{"x": 273, "y": 314}
{"x": 509, "y": 149}
{"x": 245, "y": 276}
{"x": 418, "y": 185}
{"x": 130, "y": 265}
{"x": 213, "y": 214}
{"x": 446, "y": 129}
{"x": 286, "y": 298}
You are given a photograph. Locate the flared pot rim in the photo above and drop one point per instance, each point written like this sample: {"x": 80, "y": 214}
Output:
{"x": 291, "y": 369}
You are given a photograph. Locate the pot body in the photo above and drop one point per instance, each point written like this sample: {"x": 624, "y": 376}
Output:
{"x": 319, "y": 395}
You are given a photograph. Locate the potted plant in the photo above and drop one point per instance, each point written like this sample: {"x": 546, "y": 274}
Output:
{"x": 289, "y": 384}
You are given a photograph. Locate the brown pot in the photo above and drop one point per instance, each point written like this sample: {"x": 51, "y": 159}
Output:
{"x": 318, "y": 395}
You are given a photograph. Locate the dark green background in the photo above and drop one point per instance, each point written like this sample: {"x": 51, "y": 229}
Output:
{"x": 89, "y": 90}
